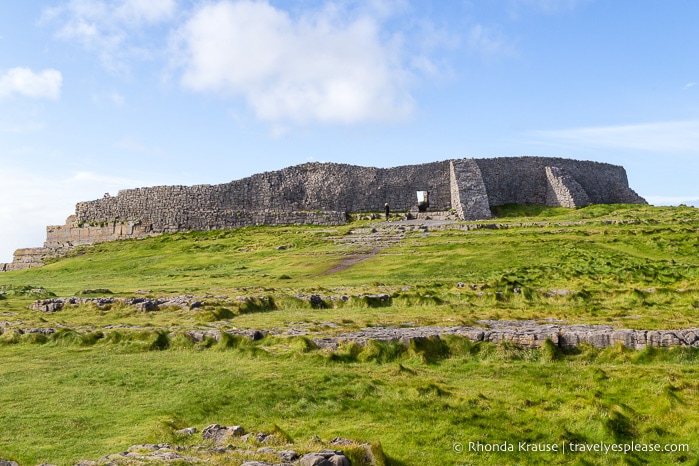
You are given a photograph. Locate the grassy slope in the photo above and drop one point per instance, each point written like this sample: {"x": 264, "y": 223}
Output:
{"x": 70, "y": 399}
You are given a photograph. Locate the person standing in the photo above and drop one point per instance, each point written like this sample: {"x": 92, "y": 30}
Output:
{"x": 387, "y": 210}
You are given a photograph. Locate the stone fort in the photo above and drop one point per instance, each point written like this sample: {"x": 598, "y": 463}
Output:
{"x": 324, "y": 193}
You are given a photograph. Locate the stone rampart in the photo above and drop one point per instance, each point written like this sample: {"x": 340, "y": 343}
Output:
{"x": 468, "y": 194}
{"x": 307, "y": 187}
{"x": 323, "y": 193}
{"x": 523, "y": 180}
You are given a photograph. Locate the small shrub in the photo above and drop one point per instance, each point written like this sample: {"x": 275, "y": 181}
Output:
{"x": 303, "y": 345}
{"x": 345, "y": 353}
{"x": 618, "y": 424}
{"x": 161, "y": 341}
{"x": 36, "y": 338}
{"x": 281, "y": 434}
{"x": 366, "y": 454}
{"x": 550, "y": 352}
{"x": 262, "y": 304}
{"x": 430, "y": 349}
{"x": 66, "y": 337}
{"x": 381, "y": 351}
{"x": 181, "y": 341}
{"x": 228, "y": 341}
{"x": 11, "y": 337}
{"x": 432, "y": 389}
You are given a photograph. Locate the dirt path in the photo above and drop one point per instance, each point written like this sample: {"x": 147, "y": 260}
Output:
{"x": 351, "y": 260}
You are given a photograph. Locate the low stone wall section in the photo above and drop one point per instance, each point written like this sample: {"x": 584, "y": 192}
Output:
{"x": 527, "y": 334}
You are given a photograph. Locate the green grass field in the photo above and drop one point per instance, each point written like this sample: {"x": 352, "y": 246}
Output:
{"x": 92, "y": 389}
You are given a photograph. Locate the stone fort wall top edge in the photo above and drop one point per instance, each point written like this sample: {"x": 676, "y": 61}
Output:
{"x": 346, "y": 166}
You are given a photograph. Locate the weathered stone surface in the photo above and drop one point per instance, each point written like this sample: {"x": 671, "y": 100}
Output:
{"x": 220, "y": 434}
{"x": 288, "y": 455}
{"x": 468, "y": 192}
{"x": 143, "y": 304}
{"x": 325, "y": 458}
{"x": 528, "y": 334}
{"x": 563, "y": 190}
{"x": 48, "y": 305}
{"x": 8, "y": 463}
{"x": 187, "y": 431}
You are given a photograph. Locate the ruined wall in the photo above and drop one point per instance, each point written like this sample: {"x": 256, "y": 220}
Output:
{"x": 321, "y": 194}
{"x": 307, "y": 187}
{"x": 347, "y": 188}
{"x": 523, "y": 180}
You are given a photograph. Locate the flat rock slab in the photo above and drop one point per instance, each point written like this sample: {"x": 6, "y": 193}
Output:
{"x": 526, "y": 333}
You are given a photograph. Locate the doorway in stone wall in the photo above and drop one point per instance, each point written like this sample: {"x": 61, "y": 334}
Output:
{"x": 422, "y": 201}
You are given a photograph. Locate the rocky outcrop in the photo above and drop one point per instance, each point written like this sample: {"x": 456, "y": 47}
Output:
{"x": 239, "y": 449}
{"x": 142, "y": 304}
{"x": 527, "y": 334}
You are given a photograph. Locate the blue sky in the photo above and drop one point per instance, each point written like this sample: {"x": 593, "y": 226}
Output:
{"x": 102, "y": 95}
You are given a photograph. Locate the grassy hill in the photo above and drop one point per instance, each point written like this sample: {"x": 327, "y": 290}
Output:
{"x": 113, "y": 376}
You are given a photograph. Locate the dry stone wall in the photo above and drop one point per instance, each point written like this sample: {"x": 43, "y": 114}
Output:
{"x": 323, "y": 193}
{"x": 468, "y": 195}
{"x": 523, "y": 180}
{"x": 307, "y": 187}
{"x": 563, "y": 190}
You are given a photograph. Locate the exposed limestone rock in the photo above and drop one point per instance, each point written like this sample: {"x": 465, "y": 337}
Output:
{"x": 220, "y": 434}
{"x": 155, "y": 453}
{"x": 325, "y": 458}
{"x": 187, "y": 431}
{"x": 528, "y": 334}
{"x": 143, "y": 304}
{"x": 288, "y": 455}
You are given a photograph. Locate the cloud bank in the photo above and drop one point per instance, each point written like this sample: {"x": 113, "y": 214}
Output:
{"x": 327, "y": 66}
{"x": 109, "y": 28}
{"x": 23, "y": 81}
{"x": 671, "y": 136}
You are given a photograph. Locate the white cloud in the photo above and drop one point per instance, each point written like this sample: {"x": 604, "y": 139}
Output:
{"x": 140, "y": 11}
{"x": 688, "y": 85}
{"x": 23, "y": 81}
{"x": 488, "y": 42}
{"x": 677, "y": 136}
{"x": 108, "y": 27}
{"x": 326, "y": 66}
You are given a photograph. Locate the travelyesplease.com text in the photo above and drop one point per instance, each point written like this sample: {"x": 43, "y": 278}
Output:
{"x": 571, "y": 447}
